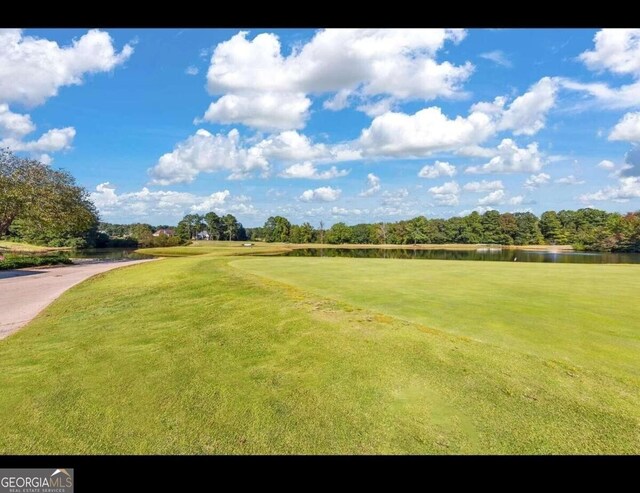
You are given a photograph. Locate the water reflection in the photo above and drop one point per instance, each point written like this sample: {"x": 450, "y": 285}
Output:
{"x": 109, "y": 254}
{"x": 490, "y": 254}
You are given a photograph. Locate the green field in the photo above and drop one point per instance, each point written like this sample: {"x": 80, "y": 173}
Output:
{"x": 208, "y": 354}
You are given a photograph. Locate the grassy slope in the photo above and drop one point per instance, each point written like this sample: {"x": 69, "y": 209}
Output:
{"x": 16, "y": 246}
{"x": 191, "y": 355}
{"x": 586, "y": 315}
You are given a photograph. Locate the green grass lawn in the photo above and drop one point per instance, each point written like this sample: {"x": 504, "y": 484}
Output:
{"x": 17, "y": 246}
{"x": 329, "y": 355}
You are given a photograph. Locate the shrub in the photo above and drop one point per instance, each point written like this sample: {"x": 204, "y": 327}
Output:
{"x": 15, "y": 261}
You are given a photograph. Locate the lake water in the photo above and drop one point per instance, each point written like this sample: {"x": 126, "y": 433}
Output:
{"x": 108, "y": 254}
{"x": 479, "y": 254}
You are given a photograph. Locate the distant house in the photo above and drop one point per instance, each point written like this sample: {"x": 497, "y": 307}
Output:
{"x": 203, "y": 235}
{"x": 167, "y": 232}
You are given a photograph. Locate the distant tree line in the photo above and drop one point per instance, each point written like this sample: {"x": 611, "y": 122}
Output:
{"x": 133, "y": 235}
{"x": 217, "y": 227}
{"x": 585, "y": 229}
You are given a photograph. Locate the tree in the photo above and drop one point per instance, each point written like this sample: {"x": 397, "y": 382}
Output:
{"x": 44, "y": 200}
{"x": 528, "y": 231}
{"x": 381, "y": 231}
{"x": 339, "y": 233}
{"x": 143, "y": 233}
{"x": 306, "y": 233}
{"x": 551, "y": 228}
{"x": 417, "y": 229}
{"x": 214, "y": 225}
{"x": 491, "y": 227}
{"x": 230, "y": 226}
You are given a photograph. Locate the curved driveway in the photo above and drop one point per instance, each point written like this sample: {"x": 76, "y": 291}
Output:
{"x": 26, "y": 292}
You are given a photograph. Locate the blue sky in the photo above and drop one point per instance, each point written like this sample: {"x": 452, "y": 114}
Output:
{"x": 332, "y": 125}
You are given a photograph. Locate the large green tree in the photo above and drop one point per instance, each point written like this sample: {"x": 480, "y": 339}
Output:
{"x": 214, "y": 225}
{"x": 42, "y": 200}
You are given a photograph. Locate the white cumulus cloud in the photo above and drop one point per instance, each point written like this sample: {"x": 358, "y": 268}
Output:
{"x": 309, "y": 171}
{"x": 436, "y": 170}
{"x": 446, "y": 194}
{"x": 368, "y": 62}
{"x": 14, "y": 125}
{"x": 483, "y": 186}
{"x": 32, "y": 69}
{"x": 628, "y": 128}
{"x": 627, "y": 188}
{"x": 494, "y": 198}
{"x": 428, "y": 130}
{"x": 262, "y": 110}
{"x": 206, "y": 153}
{"x": 146, "y": 203}
{"x": 322, "y": 194}
{"x": 373, "y": 186}
{"x": 536, "y": 181}
{"x": 606, "y": 164}
{"x": 526, "y": 114}
{"x": 512, "y": 159}
{"x": 616, "y": 50}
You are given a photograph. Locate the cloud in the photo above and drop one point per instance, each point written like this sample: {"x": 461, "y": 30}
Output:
{"x": 208, "y": 153}
{"x": 606, "y": 164}
{"x": 526, "y": 114}
{"x": 54, "y": 140}
{"x": 628, "y": 128}
{"x": 264, "y": 111}
{"x": 436, "y": 170}
{"x": 516, "y": 200}
{"x": 498, "y": 57}
{"x": 34, "y": 69}
{"x": 339, "y": 101}
{"x": 628, "y": 188}
{"x": 309, "y": 171}
{"x": 341, "y": 211}
{"x": 322, "y": 194}
{"x": 512, "y": 159}
{"x": 399, "y": 63}
{"x": 191, "y": 70}
{"x": 483, "y": 186}
{"x": 293, "y": 146}
{"x": 373, "y": 184}
{"x": 447, "y": 194}
{"x": 165, "y": 203}
{"x": 616, "y": 50}
{"x": 494, "y": 198}
{"x": 625, "y": 96}
{"x": 569, "y": 180}
{"x": 394, "y": 197}
{"x": 14, "y": 125}
{"x": 377, "y": 108}
{"x": 536, "y": 181}
{"x": 215, "y": 200}
{"x": 428, "y": 130}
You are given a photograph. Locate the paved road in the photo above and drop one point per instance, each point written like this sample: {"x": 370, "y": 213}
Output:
{"x": 26, "y": 292}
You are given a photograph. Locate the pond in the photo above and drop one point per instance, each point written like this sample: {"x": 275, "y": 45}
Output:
{"x": 108, "y": 254}
{"x": 490, "y": 254}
